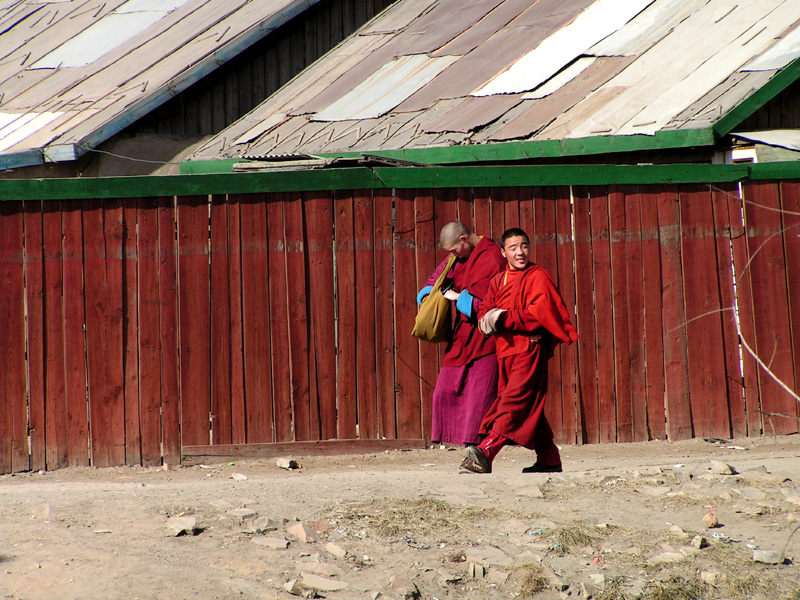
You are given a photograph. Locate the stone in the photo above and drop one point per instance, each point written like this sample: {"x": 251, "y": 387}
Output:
{"x": 720, "y": 468}
{"x": 515, "y": 526}
{"x": 322, "y": 569}
{"x": 710, "y": 520}
{"x": 240, "y": 515}
{"x": 405, "y": 587}
{"x": 476, "y": 571}
{"x": 181, "y": 526}
{"x": 262, "y": 525}
{"x": 287, "y": 463}
{"x": 335, "y": 550}
{"x": 752, "y": 493}
{"x": 793, "y": 500}
{"x": 677, "y": 530}
{"x": 770, "y": 557}
{"x": 296, "y": 588}
{"x": 275, "y": 543}
{"x": 656, "y": 491}
{"x": 321, "y": 527}
{"x": 239, "y": 477}
{"x": 302, "y": 532}
{"x": 488, "y": 556}
{"x": 699, "y": 542}
{"x": 496, "y": 577}
{"x": 323, "y": 584}
{"x": 449, "y": 576}
{"x": 667, "y": 557}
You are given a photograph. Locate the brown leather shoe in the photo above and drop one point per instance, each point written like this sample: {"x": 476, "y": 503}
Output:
{"x": 476, "y": 461}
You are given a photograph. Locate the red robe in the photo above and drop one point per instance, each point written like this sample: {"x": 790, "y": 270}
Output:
{"x": 534, "y": 308}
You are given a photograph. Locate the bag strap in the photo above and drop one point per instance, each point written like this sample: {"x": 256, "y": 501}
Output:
{"x": 443, "y": 274}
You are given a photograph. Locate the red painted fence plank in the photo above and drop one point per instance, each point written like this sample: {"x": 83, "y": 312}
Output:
{"x": 653, "y": 327}
{"x": 588, "y": 410}
{"x": 790, "y": 207}
{"x": 221, "y": 326}
{"x": 383, "y": 204}
{"x": 55, "y": 401}
{"x": 281, "y": 306}
{"x": 149, "y": 338}
{"x": 255, "y": 320}
{"x": 771, "y": 309}
{"x": 344, "y": 255}
{"x": 318, "y": 213}
{"x": 168, "y": 325}
{"x": 130, "y": 340}
{"x": 238, "y": 427}
{"x": 405, "y": 292}
{"x": 305, "y": 426}
{"x": 13, "y": 411}
{"x": 365, "y": 304}
{"x": 74, "y": 338}
{"x": 103, "y": 230}
{"x": 34, "y": 300}
{"x": 679, "y": 423}
{"x": 725, "y": 198}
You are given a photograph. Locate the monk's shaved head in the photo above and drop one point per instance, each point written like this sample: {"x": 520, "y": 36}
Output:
{"x": 451, "y": 232}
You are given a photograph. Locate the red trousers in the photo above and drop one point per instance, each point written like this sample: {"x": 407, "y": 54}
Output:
{"x": 518, "y": 411}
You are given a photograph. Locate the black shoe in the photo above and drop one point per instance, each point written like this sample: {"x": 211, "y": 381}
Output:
{"x": 476, "y": 461}
{"x": 538, "y": 467}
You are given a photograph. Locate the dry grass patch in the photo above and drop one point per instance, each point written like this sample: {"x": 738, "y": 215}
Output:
{"x": 419, "y": 516}
{"x": 530, "y": 579}
{"x": 580, "y": 534}
{"x": 675, "y": 588}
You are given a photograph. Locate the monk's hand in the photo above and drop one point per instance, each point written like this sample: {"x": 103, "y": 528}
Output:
{"x": 451, "y": 295}
{"x": 488, "y": 322}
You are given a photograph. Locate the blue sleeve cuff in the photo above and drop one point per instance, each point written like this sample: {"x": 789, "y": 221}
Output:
{"x": 424, "y": 292}
{"x": 464, "y": 303}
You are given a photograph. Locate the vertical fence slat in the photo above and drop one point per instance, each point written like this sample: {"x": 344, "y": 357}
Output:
{"x": 588, "y": 409}
{"x": 255, "y": 316}
{"x": 318, "y": 213}
{"x": 168, "y": 325}
{"x": 465, "y": 209}
{"x": 770, "y": 303}
{"x": 238, "y": 428}
{"x": 221, "y": 326}
{"x": 604, "y": 322}
{"x": 74, "y": 338}
{"x": 194, "y": 319}
{"x": 482, "y": 212}
{"x": 406, "y": 346}
{"x": 366, "y": 362}
{"x": 149, "y": 338}
{"x": 424, "y": 242}
{"x": 384, "y": 313}
{"x": 344, "y": 256}
{"x": 567, "y": 355}
{"x": 496, "y": 198}
{"x": 34, "y": 332}
{"x": 725, "y": 198}
{"x": 651, "y": 294}
{"x": 305, "y": 426}
{"x": 281, "y": 306}
{"x": 13, "y": 411}
{"x": 55, "y": 402}
{"x": 790, "y": 205}
{"x": 705, "y": 349}
{"x": 636, "y": 313}
{"x": 679, "y": 420}
{"x": 102, "y": 227}
{"x": 621, "y": 255}
{"x": 133, "y": 434}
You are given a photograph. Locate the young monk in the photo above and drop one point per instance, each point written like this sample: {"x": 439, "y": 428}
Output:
{"x": 525, "y": 313}
{"x": 467, "y": 382}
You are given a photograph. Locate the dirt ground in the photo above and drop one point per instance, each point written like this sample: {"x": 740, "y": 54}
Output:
{"x": 622, "y": 522}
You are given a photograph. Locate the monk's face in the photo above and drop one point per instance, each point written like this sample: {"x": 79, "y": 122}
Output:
{"x": 461, "y": 248}
{"x": 517, "y": 252}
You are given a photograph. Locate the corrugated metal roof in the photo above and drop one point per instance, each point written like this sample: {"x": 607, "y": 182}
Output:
{"x": 73, "y": 73}
{"x": 452, "y": 72}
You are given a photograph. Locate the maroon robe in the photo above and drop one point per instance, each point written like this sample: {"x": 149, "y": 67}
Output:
{"x": 467, "y": 382}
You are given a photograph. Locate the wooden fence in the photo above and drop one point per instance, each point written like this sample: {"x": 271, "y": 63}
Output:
{"x": 131, "y": 328}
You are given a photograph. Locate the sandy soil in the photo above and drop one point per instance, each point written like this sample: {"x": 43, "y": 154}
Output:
{"x": 621, "y": 522}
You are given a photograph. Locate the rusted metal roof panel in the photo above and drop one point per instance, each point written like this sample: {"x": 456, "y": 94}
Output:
{"x": 450, "y": 72}
{"x": 100, "y": 64}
